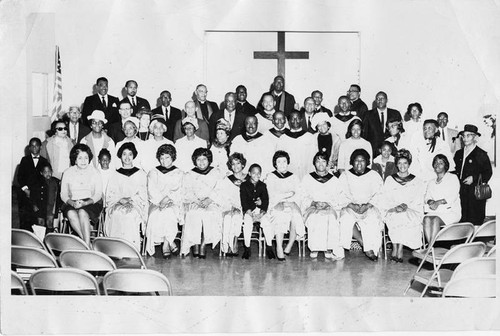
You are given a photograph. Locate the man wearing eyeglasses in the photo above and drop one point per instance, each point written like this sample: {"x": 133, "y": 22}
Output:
{"x": 76, "y": 129}
{"x": 356, "y": 103}
{"x": 115, "y": 130}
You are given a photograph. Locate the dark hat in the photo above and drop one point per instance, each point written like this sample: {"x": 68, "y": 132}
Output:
{"x": 431, "y": 121}
{"x": 470, "y": 128}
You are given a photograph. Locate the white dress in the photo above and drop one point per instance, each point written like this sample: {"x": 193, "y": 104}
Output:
{"x": 323, "y": 231}
{"x": 282, "y": 211}
{"x": 349, "y": 146}
{"x": 219, "y": 160}
{"x": 301, "y": 150}
{"x": 198, "y": 186}
{"x": 360, "y": 190}
{"x": 413, "y": 127}
{"x": 448, "y": 189}
{"x": 162, "y": 223}
{"x": 185, "y": 149}
{"x": 404, "y": 227}
{"x": 255, "y": 150}
{"x": 148, "y": 153}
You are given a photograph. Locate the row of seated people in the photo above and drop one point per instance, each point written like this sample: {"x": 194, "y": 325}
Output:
{"x": 205, "y": 201}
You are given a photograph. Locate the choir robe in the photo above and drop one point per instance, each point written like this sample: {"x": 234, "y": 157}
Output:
{"x": 219, "y": 159}
{"x": 413, "y": 128}
{"x": 185, "y": 149}
{"x": 121, "y": 222}
{"x": 227, "y": 196}
{"x": 282, "y": 211}
{"x": 162, "y": 222}
{"x": 422, "y": 157}
{"x": 449, "y": 190}
{"x": 265, "y": 121}
{"x": 255, "y": 150}
{"x": 198, "y": 186}
{"x": 299, "y": 145}
{"x": 339, "y": 127}
{"x": 360, "y": 190}
{"x": 349, "y": 146}
{"x": 148, "y": 152}
{"x": 138, "y": 143}
{"x": 323, "y": 231}
{"x": 404, "y": 227}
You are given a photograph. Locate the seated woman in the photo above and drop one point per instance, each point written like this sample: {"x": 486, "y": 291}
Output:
{"x": 188, "y": 143}
{"x": 165, "y": 198}
{"x": 57, "y": 148}
{"x": 353, "y": 141}
{"x": 442, "y": 198}
{"x": 220, "y": 147}
{"x": 384, "y": 163}
{"x": 284, "y": 214}
{"x": 327, "y": 142}
{"x": 157, "y": 127}
{"x": 227, "y": 196}
{"x": 359, "y": 218}
{"x": 81, "y": 191}
{"x": 320, "y": 203}
{"x": 202, "y": 219}
{"x": 401, "y": 199}
{"x": 130, "y": 128}
{"x": 127, "y": 199}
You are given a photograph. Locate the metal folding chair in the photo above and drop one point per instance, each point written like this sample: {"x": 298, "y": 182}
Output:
{"x": 87, "y": 260}
{"x": 21, "y": 237}
{"x": 121, "y": 251}
{"x": 27, "y": 259}
{"x": 493, "y": 252}
{"x": 63, "y": 280}
{"x": 58, "y": 242}
{"x": 471, "y": 287}
{"x": 136, "y": 281}
{"x": 17, "y": 284}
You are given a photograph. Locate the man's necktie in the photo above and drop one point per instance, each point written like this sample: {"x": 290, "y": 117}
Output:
{"x": 231, "y": 119}
{"x": 308, "y": 122}
{"x": 383, "y": 122}
{"x": 73, "y": 136}
{"x": 133, "y": 101}
{"x": 442, "y": 131}
{"x": 103, "y": 102}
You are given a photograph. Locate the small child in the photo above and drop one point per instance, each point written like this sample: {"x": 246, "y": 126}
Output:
{"x": 384, "y": 163}
{"x": 45, "y": 197}
{"x": 104, "y": 161}
{"x": 254, "y": 202}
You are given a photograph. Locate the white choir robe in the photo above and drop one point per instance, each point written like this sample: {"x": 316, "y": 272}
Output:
{"x": 360, "y": 190}
{"x": 196, "y": 218}
{"x": 254, "y": 151}
{"x": 413, "y": 127}
{"x": 422, "y": 158}
{"x": 340, "y": 127}
{"x": 148, "y": 153}
{"x": 282, "y": 211}
{"x": 323, "y": 228}
{"x": 116, "y": 161}
{"x": 264, "y": 123}
{"x": 219, "y": 160}
{"x": 162, "y": 223}
{"x": 185, "y": 149}
{"x": 301, "y": 151}
{"x": 404, "y": 227}
{"x": 347, "y": 147}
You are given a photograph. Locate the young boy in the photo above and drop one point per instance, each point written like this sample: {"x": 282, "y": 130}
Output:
{"x": 254, "y": 203}
{"x": 45, "y": 198}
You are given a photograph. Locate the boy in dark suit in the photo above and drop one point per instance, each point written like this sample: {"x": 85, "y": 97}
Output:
{"x": 45, "y": 198}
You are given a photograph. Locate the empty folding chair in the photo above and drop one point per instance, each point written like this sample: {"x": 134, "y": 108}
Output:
{"x": 63, "y": 281}
{"x": 123, "y": 253}
{"x": 90, "y": 261}
{"x": 471, "y": 287}
{"x": 58, "y": 242}
{"x": 21, "y": 237}
{"x": 17, "y": 286}
{"x": 486, "y": 233}
{"x": 475, "y": 267}
{"x": 143, "y": 282}
{"x": 493, "y": 252}
{"x": 26, "y": 259}
{"x": 439, "y": 276}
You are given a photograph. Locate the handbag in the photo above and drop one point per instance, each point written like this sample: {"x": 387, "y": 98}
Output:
{"x": 482, "y": 191}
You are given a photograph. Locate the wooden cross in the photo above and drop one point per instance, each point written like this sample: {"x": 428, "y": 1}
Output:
{"x": 281, "y": 55}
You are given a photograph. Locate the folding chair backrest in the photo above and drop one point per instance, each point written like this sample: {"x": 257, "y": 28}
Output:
{"x": 136, "y": 281}
{"x": 471, "y": 287}
{"x": 475, "y": 267}
{"x": 488, "y": 229}
{"x": 90, "y": 261}
{"x": 25, "y": 238}
{"x": 58, "y": 242}
{"x": 16, "y": 283}
{"x": 462, "y": 252}
{"x": 31, "y": 257}
{"x": 493, "y": 252}
{"x": 63, "y": 279}
{"x": 117, "y": 248}
{"x": 455, "y": 232}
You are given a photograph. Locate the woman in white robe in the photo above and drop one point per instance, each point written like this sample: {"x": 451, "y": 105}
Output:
{"x": 413, "y": 120}
{"x": 360, "y": 218}
{"x": 187, "y": 144}
{"x": 127, "y": 199}
{"x": 157, "y": 128}
{"x": 354, "y": 141}
{"x": 220, "y": 147}
{"x": 165, "y": 198}
{"x": 130, "y": 129}
{"x": 401, "y": 200}
{"x": 284, "y": 213}
{"x": 320, "y": 202}
{"x": 202, "y": 216}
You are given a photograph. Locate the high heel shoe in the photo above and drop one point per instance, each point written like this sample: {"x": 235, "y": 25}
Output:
{"x": 270, "y": 252}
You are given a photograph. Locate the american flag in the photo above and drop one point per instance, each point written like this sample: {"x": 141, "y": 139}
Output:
{"x": 57, "y": 99}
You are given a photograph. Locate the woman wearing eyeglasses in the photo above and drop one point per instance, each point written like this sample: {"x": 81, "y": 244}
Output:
{"x": 56, "y": 149}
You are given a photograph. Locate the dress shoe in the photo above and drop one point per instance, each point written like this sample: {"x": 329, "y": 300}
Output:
{"x": 175, "y": 250}
{"x": 372, "y": 256}
{"x": 329, "y": 255}
{"x": 314, "y": 254}
{"x": 166, "y": 255}
{"x": 281, "y": 259}
{"x": 399, "y": 260}
{"x": 202, "y": 256}
{"x": 246, "y": 253}
{"x": 270, "y": 252}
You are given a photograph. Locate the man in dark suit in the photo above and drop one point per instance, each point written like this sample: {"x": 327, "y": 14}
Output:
{"x": 115, "y": 130}
{"x": 235, "y": 118}
{"x": 374, "y": 123}
{"x": 242, "y": 105}
{"x": 317, "y": 96}
{"x": 76, "y": 129}
{"x": 356, "y": 103}
{"x": 101, "y": 101}
{"x": 471, "y": 162}
{"x": 449, "y": 135}
{"x": 204, "y": 108}
{"x": 27, "y": 176}
{"x": 307, "y": 113}
{"x": 285, "y": 102}
{"x": 169, "y": 113}
{"x": 135, "y": 101}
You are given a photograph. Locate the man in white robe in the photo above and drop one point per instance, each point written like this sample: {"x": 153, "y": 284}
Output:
{"x": 341, "y": 120}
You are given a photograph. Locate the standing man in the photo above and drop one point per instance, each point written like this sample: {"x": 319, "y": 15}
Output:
{"x": 307, "y": 115}
{"x": 170, "y": 113}
{"x": 135, "y": 101}
{"x": 101, "y": 101}
{"x": 374, "y": 122}
{"x": 449, "y": 135}
{"x": 202, "y": 127}
{"x": 76, "y": 129}
{"x": 317, "y": 95}
{"x": 235, "y": 118}
{"x": 242, "y": 105}
{"x": 285, "y": 102}
{"x": 204, "y": 108}
{"x": 356, "y": 103}
{"x": 343, "y": 118}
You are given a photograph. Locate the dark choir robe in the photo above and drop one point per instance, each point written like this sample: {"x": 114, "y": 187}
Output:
{"x": 246, "y": 108}
{"x": 287, "y": 106}
{"x": 237, "y": 127}
{"x": 94, "y": 102}
{"x": 373, "y": 130}
{"x": 360, "y": 107}
{"x": 175, "y": 115}
{"x": 204, "y": 110}
{"x": 476, "y": 164}
{"x": 139, "y": 103}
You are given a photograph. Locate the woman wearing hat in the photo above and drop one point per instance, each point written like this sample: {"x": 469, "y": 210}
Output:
{"x": 97, "y": 139}
{"x": 157, "y": 128}
{"x": 327, "y": 142}
{"x": 221, "y": 145}
{"x": 472, "y": 163}
{"x": 188, "y": 143}
{"x": 130, "y": 129}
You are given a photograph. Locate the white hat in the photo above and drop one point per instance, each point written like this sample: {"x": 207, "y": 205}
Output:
{"x": 319, "y": 118}
{"x": 97, "y": 115}
{"x": 133, "y": 120}
{"x": 192, "y": 121}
